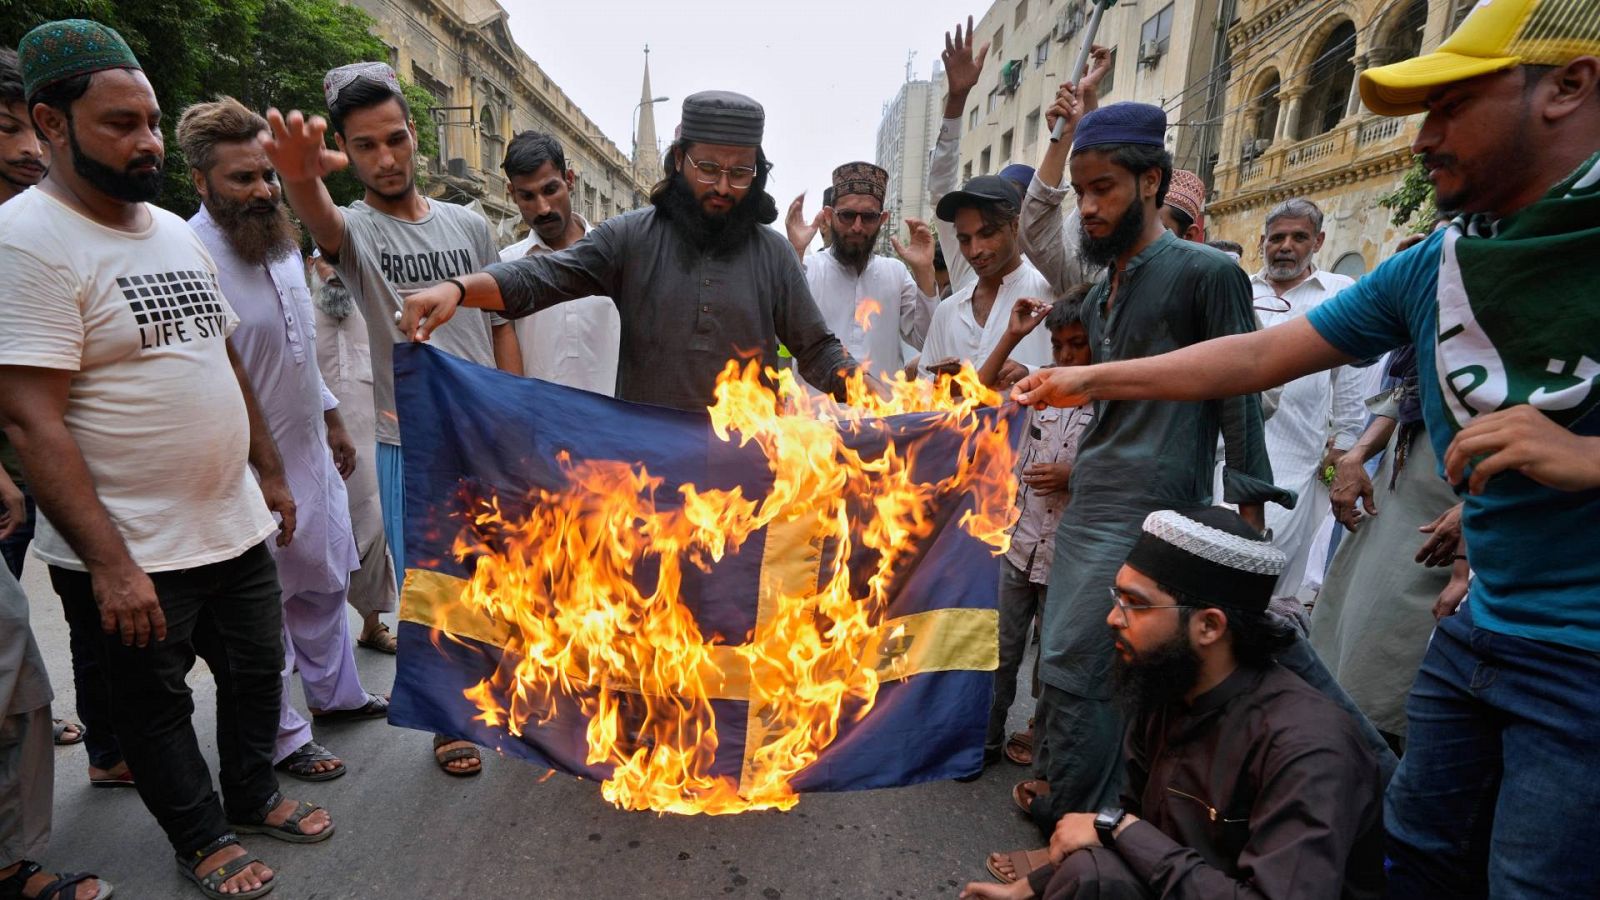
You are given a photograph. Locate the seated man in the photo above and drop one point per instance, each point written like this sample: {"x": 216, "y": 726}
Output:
{"x": 1243, "y": 780}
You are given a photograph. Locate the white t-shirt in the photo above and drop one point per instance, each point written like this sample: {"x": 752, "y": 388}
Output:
{"x": 154, "y": 407}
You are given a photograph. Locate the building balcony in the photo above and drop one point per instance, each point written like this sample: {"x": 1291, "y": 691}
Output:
{"x": 1354, "y": 141}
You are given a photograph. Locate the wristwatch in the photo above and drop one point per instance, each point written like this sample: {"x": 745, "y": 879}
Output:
{"x": 1106, "y": 822}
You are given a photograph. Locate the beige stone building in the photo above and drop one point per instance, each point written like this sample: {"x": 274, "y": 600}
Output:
{"x": 1163, "y": 52}
{"x": 488, "y": 90}
{"x": 1294, "y": 124}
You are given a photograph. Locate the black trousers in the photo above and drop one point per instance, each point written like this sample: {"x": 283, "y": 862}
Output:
{"x": 231, "y": 614}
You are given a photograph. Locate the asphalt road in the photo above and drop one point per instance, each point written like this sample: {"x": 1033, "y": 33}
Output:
{"x": 407, "y": 830}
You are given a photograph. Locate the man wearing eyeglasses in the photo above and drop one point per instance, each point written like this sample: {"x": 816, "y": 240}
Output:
{"x": 697, "y": 277}
{"x": 1288, "y": 286}
{"x": 1243, "y": 780}
{"x": 871, "y": 302}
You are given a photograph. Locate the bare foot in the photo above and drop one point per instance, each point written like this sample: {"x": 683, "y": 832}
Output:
{"x": 251, "y": 878}
{"x": 315, "y": 823}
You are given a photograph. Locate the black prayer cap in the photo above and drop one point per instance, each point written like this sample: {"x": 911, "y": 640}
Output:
{"x": 722, "y": 117}
{"x": 1211, "y": 554}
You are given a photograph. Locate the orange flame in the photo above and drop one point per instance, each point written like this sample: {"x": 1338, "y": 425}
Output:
{"x": 864, "y": 313}
{"x": 634, "y": 658}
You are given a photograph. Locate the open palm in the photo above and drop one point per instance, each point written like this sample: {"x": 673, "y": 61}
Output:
{"x": 298, "y": 147}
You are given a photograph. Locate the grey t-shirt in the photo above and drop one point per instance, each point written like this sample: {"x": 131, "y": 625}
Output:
{"x": 385, "y": 259}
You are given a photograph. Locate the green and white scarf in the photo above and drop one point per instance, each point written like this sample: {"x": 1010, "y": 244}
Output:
{"x": 1519, "y": 306}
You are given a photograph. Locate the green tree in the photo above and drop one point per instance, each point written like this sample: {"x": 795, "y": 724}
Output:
{"x": 1413, "y": 202}
{"x": 264, "y": 52}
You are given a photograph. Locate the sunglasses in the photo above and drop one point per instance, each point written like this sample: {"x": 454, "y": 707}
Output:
{"x": 848, "y": 217}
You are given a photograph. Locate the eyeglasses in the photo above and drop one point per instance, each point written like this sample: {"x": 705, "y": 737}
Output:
{"x": 848, "y": 217}
{"x": 1275, "y": 304}
{"x": 1123, "y": 606}
{"x": 710, "y": 173}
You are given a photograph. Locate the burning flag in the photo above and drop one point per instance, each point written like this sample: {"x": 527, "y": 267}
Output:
{"x": 705, "y": 613}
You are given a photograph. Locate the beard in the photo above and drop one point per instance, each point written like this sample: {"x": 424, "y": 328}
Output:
{"x": 716, "y": 235}
{"x": 332, "y": 298}
{"x": 1288, "y": 271}
{"x": 258, "y": 232}
{"x": 1104, "y": 251}
{"x": 125, "y": 185}
{"x": 1156, "y": 677}
{"x": 853, "y": 251}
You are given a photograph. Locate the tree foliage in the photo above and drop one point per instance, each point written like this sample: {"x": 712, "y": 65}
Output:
{"x": 263, "y": 52}
{"x": 1413, "y": 202}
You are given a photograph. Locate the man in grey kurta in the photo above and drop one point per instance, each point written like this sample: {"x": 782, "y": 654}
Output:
{"x": 697, "y": 277}
{"x": 1158, "y": 293}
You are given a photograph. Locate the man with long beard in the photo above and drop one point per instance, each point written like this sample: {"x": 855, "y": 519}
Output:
{"x": 871, "y": 302}
{"x": 137, "y": 429}
{"x": 1156, "y": 292}
{"x": 244, "y": 224}
{"x": 1243, "y": 780}
{"x": 697, "y": 277}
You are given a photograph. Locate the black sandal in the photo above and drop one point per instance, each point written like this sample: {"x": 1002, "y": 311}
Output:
{"x": 302, "y": 763}
{"x": 376, "y": 707}
{"x": 64, "y": 887}
{"x": 289, "y": 830}
{"x": 211, "y": 883}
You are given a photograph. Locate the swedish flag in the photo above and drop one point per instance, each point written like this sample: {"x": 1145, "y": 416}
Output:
{"x": 471, "y": 432}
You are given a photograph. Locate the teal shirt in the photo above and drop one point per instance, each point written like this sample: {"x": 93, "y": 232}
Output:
{"x": 1535, "y": 550}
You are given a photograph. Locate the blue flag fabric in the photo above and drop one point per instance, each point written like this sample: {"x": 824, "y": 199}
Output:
{"x": 470, "y": 431}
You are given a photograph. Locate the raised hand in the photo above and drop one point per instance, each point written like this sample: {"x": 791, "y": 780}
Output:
{"x": 1074, "y": 100}
{"x": 919, "y": 250}
{"x": 298, "y": 149}
{"x": 961, "y": 65}
{"x": 800, "y": 232}
{"x": 1026, "y": 314}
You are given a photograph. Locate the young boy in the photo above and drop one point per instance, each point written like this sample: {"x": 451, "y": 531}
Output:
{"x": 1044, "y": 467}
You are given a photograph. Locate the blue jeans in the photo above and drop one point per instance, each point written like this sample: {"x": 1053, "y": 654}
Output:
{"x": 1497, "y": 792}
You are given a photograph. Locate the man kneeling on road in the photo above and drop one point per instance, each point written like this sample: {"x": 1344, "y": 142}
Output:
{"x": 1243, "y": 780}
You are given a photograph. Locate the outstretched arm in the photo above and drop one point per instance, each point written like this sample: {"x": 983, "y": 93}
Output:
{"x": 1221, "y": 367}
{"x": 298, "y": 149}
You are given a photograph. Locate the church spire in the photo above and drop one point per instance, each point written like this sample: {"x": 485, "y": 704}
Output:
{"x": 646, "y": 159}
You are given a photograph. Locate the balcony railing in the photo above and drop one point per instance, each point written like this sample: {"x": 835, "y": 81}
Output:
{"x": 1376, "y": 131}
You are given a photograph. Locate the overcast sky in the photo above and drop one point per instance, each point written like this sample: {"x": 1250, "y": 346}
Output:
{"x": 823, "y": 69}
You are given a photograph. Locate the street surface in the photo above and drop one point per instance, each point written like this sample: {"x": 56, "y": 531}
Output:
{"x": 405, "y": 829}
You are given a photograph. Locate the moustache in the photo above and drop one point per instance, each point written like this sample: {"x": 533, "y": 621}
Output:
{"x": 140, "y": 162}
{"x": 547, "y": 220}
{"x": 1438, "y": 160}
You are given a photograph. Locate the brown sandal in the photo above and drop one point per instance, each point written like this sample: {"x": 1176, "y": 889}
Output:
{"x": 1019, "y": 748}
{"x": 1022, "y": 863}
{"x": 1026, "y": 792}
{"x": 383, "y": 640}
{"x": 445, "y": 757}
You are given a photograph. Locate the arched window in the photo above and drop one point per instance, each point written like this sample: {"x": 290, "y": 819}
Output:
{"x": 1328, "y": 82}
{"x": 1401, "y": 34}
{"x": 1265, "y": 98}
{"x": 492, "y": 144}
{"x": 1351, "y": 264}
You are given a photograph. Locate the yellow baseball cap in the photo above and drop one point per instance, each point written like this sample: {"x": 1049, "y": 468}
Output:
{"x": 1496, "y": 35}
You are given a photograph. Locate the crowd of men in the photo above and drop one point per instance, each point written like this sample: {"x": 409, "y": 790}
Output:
{"x": 1197, "y": 436}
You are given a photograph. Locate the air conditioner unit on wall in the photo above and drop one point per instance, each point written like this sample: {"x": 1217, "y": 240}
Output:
{"x": 457, "y": 167}
{"x": 1067, "y": 25}
{"x": 1149, "y": 53}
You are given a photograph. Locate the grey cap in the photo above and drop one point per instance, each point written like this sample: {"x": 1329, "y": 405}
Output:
{"x": 722, "y": 117}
